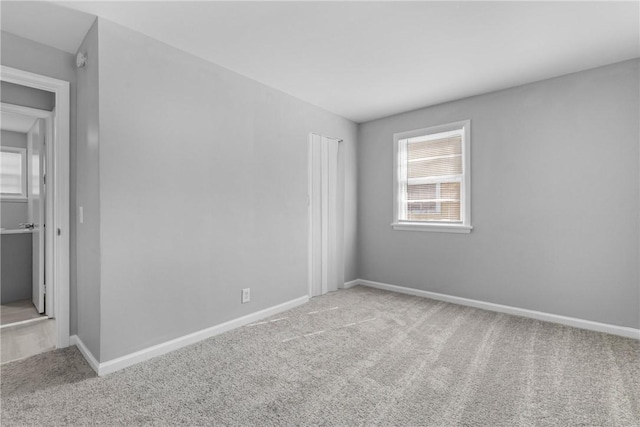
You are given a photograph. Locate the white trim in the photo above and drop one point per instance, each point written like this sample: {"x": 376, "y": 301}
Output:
{"x": 434, "y": 180}
{"x": 114, "y": 365}
{"x": 49, "y": 218}
{"x": 58, "y": 194}
{"x": 350, "y": 284}
{"x": 324, "y": 219}
{"x": 439, "y": 228}
{"x": 622, "y": 331}
{"x": 25, "y": 111}
{"x": 310, "y": 216}
{"x": 91, "y": 360}
{"x": 400, "y": 181}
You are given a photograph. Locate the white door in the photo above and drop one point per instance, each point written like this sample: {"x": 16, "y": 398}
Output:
{"x": 325, "y": 212}
{"x": 36, "y": 203}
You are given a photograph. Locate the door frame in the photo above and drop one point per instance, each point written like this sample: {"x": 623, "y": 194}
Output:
{"x": 58, "y": 197}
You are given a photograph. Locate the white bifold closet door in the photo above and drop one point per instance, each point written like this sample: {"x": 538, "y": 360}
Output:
{"x": 326, "y": 212}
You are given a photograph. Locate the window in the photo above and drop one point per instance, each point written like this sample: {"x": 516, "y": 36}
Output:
{"x": 13, "y": 173}
{"x": 432, "y": 179}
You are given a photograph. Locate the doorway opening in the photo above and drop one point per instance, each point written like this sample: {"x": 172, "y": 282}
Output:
{"x": 34, "y": 181}
{"x": 326, "y": 207}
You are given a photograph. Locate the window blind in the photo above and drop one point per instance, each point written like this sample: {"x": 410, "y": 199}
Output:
{"x": 11, "y": 173}
{"x": 433, "y": 174}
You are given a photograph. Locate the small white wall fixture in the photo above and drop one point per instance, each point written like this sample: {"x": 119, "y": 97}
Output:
{"x": 57, "y": 158}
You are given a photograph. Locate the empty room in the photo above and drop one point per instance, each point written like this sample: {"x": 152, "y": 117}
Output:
{"x": 342, "y": 213}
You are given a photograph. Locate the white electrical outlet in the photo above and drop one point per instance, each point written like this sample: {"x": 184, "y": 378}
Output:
{"x": 246, "y": 295}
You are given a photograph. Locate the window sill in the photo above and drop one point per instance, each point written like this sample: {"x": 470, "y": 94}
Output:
{"x": 438, "y": 228}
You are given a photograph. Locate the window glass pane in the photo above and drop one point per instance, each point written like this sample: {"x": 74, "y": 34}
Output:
{"x": 443, "y": 206}
{"x": 418, "y": 209}
{"x": 449, "y": 211}
{"x": 423, "y": 199}
{"x": 421, "y": 191}
{"x": 11, "y": 173}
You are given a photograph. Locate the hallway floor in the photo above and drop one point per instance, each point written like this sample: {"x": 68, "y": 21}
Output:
{"x": 18, "y": 311}
{"x": 25, "y": 340}
{"x": 24, "y": 332}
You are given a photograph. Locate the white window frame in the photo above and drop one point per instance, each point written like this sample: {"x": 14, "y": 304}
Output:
{"x": 399, "y": 182}
{"x": 14, "y": 197}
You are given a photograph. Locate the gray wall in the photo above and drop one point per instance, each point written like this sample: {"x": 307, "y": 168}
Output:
{"x": 27, "y": 96}
{"x": 13, "y": 212}
{"x": 203, "y": 192}
{"x": 554, "y": 200}
{"x": 88, "y": 196}
{"x": 18, "y": 52}
{"x": 13, "y": 139}
{"x": 15, "y": 267}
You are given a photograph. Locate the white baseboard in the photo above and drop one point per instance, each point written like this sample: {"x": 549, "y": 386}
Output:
{"x": 166, "y": 347}
{"x": 75, "y": 340}
{"x": 113, "y": 365}
{"x": 349, "y": 284}
{"x": 539, "y": 315}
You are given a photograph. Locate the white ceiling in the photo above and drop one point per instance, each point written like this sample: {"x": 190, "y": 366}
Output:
{"x": 16, "y": 122}
{"x": 366, "y": 60}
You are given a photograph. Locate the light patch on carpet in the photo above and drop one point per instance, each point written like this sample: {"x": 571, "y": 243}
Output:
{"x": 256, "y": 324}
{"x": 323, "y": 311}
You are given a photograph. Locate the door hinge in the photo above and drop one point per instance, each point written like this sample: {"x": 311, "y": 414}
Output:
{"x": 59, "y": 232}
{"x": 44, "y": 178}
{"x": 45, "y": 288}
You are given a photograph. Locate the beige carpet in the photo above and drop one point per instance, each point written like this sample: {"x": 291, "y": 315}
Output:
{"x": 355, "y": 357}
